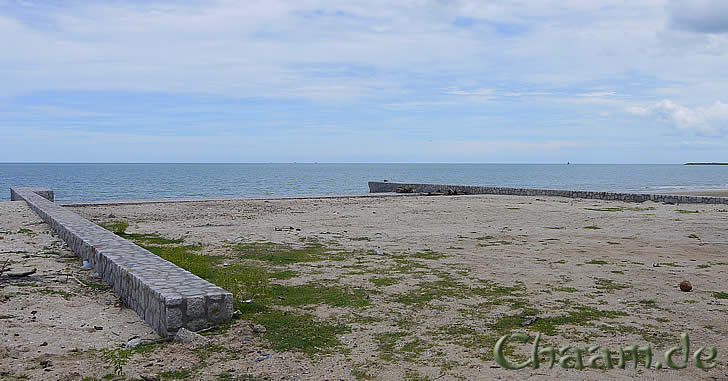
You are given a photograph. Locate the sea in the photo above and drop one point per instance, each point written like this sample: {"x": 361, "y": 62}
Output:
{"x": 133, "y": 181}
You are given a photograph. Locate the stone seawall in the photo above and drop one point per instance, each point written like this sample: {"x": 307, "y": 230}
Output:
{"x": 381, "y": 187}
{"x": 164, "y": 295}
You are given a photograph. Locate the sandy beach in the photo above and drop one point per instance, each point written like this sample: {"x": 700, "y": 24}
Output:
{"x": 387, "y": 288}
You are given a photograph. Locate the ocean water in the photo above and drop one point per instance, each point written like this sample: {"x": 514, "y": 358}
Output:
{"x": 82, "y": 182}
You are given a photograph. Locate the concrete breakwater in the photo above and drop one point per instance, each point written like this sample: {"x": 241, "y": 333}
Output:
{"x": 382, "y": 186}
{"x": 164, "y": 295}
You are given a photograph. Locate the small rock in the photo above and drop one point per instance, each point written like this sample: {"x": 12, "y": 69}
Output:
{"x": 257, "y": 328}
{"x": 529, "y": 321}
{"x": 655, "y": 265}
{"x": 185, "y": 336}
{"x": 133, "y": 343}
{"x": 43, "y": 344}
{"x": 98, "y": 328}
{"x": 685, "y": 286}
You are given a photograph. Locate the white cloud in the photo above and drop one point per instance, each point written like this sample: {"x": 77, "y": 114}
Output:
{"x": 598, "y": 94}
{"x": 711, "y": 120}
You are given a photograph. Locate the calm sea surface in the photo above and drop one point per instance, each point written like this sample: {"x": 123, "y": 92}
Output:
{"x": 76, "y": 182}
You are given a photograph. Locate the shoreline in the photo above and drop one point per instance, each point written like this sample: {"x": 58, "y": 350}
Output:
{"x": 71, "y": 203}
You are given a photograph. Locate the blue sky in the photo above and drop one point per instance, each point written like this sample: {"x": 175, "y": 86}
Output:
{"x": 364, "y": 81}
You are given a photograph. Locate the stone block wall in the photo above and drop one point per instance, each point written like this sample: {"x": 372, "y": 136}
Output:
{"x": 381, "y": 187}
{"x": 164, "y": 295}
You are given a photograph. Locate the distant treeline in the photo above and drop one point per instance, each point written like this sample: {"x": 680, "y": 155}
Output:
{"x": 706, "y": 163}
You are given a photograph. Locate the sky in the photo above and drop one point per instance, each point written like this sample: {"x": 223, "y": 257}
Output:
{"x": 537, "y": 81}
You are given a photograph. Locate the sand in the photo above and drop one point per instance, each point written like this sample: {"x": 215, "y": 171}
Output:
{"x": 622, "y": 260}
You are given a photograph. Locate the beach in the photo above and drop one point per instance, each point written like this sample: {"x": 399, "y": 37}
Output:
{"x": 386, "y": 288}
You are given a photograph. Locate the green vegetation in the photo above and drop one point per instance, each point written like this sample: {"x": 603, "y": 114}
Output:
{"x": 283, "y": 274}
{"x": 592, "y": 227}
{"x": 428, "y": 254}
{"x": 278, "y": 254}
{"x": 720, "y": 295}
{"x": 495, "y": 243}
{"x": 291, "y": 331}
{"x": 670, "y": 264}
{"x": 119, "y": 228}
{"x": 360, "y": 239}
{"x": 620, "y": 209}
{"x": 596, "y": 262}
{"x": 178, "y": 374}
{"x": 116, "y": 227}
{"x": 116, "y": 359}
{"x": 609, "y": 285}
{"x": 392, "y": 346}
{"x": 383, "y": 281}
{"x": 566, "y": 289}
{"x": 49, "y": 291}
{"x": 338, "y": 296}
{"x": 27, "y": 232}
{"x": 687, "y": 211}
{"x": 579, "y": 316}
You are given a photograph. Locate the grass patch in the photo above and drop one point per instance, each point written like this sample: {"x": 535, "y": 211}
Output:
{"x": 592, "y": 227}
{"x": 360, "y": 239}
{"x": 287, "y": 331}
{"x": 554, "y": 227}
{"x": 720, "y": 295}
{"x": 279, "y": 254}
{"x": 283, "y": 274}
{"x": 178, "y": 374}
{"x": 428, "y": 254}
{"x": 393, "y": 347}
{"x": 579, "y": 316}
{"x": 27, "y": 232}
{"x": 605, "y": 209}
{"x": 495, "y": 243}
{"x": 61, "y": 293}
{"x": 683, "y": 211}
{"x": 596, "y": 262}
{"x": 116, "y": 227}
{"x": 383, "y": 281}
{"x": 610, "y": 285}
{"x": 485, "y": 238}
{"x": 119, "y": 228}
{"x": 670, "y": 264}
{"x": 314, "y": 294}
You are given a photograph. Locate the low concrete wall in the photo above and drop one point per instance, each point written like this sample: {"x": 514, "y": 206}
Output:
{"x": 164, "y": 295}
{"x": 380, "y": 187}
